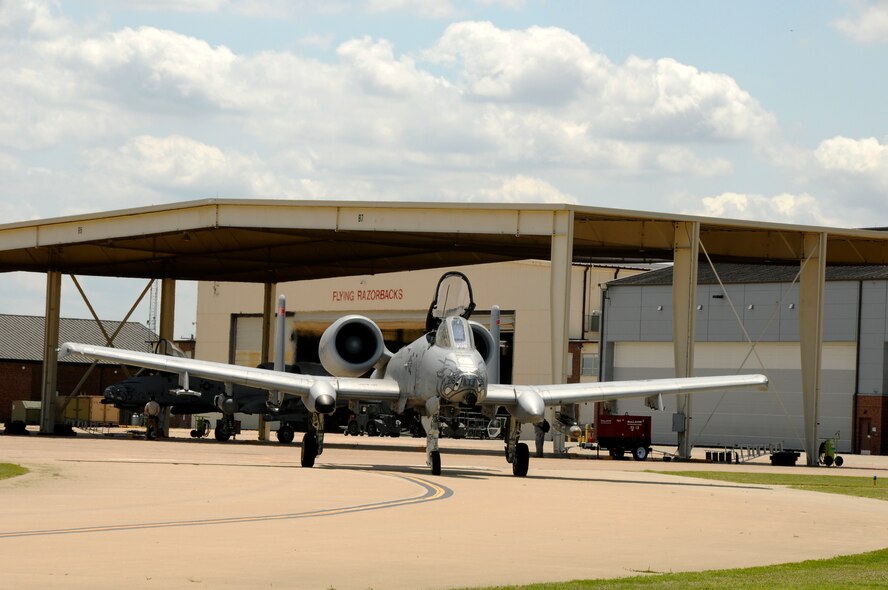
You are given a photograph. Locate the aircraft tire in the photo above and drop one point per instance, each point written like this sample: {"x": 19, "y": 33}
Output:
{"x": 285, "y": 435}
{"x": 221, "y": 435}
{"x": 309, "y": 450}
{"x": 522, "y": 460}
{"x": 435, "y": 456}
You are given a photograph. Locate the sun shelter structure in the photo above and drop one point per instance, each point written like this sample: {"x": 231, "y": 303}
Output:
{"x": 271, "y": 241}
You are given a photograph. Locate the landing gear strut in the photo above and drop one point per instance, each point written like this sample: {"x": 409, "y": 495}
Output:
{"x": 517, "y": 453}
{"x": 433, "y": 455}
{"x": 313, "y": 441}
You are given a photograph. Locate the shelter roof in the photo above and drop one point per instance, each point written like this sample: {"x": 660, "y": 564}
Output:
{"x": 754, "y": 273}
{"x": 23, "y": 336}
{"x": 284, "y": 240}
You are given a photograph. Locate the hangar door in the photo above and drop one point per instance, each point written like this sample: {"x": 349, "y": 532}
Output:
{"x": 739, "y": 418}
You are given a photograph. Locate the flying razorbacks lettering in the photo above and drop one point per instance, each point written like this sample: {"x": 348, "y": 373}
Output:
{"x": 369, "y": 295}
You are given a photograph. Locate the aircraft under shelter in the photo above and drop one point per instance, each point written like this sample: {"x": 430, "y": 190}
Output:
{"x": 272, "y": 241}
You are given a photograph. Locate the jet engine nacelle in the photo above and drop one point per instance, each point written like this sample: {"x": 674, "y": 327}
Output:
{"x": 484, "y": 343}
{"x": 351, "y": 346}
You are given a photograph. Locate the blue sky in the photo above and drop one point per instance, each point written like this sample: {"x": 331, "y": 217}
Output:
{"x": 755, "y": 110}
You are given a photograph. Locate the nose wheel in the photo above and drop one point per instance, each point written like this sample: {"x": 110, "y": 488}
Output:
{"x": 435, "y": 462}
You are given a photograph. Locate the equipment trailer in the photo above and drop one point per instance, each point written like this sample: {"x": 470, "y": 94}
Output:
{"x": 619, "y": 434}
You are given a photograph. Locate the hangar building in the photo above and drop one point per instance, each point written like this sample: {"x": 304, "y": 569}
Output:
{"x": 759, "y": 304}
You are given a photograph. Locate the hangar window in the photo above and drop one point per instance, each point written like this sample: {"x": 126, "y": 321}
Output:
{"x": 590, "y": 364}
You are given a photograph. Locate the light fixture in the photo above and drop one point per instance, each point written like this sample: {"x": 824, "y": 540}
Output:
{"x": 700, "y": 307}
{"x": 659, "y": 308}
{"x": 792, "y": 306}
{"x": 751, "y": 306}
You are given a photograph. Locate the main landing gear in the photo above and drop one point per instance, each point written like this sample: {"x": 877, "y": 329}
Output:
{"x": 224, "y": 428}
{"x": 313, "y": 441}
{"x": 517, "y": 453}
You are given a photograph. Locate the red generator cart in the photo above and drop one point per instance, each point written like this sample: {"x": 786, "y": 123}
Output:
{"x": 619, "y": 434}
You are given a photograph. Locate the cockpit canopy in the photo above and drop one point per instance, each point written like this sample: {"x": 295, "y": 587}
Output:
{"x": 453, "y": 298}
{"x": 455, "y": 333}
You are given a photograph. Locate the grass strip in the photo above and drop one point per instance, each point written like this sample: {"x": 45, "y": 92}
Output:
{"x": 10, "y": 470}
{"x": 864, "y": 487}
{"x": 862, "y": 571}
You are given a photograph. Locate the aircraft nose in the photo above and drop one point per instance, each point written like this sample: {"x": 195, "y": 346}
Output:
{"x": 469, "y": 388}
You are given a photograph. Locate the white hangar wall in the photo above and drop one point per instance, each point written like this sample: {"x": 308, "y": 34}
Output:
{"x": 638, "y": 332}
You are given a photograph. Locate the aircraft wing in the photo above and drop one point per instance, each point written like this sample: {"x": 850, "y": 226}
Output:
{"x": 292, "y": 383}
{"x": 574, "y": 393}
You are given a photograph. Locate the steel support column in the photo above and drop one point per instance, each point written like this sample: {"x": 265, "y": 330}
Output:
{"x": 166, "y": 329}
{"x": 50, "y": 351}
{"x": 559, "y": 291}
{"x": 811, "y": 287}
{"x": 267, "y": 350}
{"x": 686, "y": 249}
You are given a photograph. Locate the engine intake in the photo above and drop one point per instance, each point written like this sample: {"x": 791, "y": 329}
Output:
{"x": 484, "y": 343}
{"x": 351, "y": 346}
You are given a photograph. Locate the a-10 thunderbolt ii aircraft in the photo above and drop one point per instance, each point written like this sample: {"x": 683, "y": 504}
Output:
{"x": 436, "y": 375}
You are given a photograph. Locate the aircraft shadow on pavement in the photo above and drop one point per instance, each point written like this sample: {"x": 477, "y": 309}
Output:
{"x": 419, "y": 470}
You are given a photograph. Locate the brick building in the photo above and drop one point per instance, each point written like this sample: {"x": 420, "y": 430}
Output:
{"x": 21, "y": 357}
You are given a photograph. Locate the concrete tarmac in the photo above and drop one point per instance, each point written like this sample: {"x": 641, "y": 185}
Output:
{"x": 97, "y": 512}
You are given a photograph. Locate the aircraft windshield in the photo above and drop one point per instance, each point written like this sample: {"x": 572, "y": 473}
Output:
{"x": 455, "y": 333}
{"x": 459, "y": 328}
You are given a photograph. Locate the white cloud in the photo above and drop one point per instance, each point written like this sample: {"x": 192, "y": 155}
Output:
{"x": 177, "y": 5}
{"x": 432, "y": 9}
{"x": 374, "y": 64}
{"x": 324, "y": 41}
{"x": 866, "y": 157}
{"x": 552, "y": 68}
{"x": 524, "y": 189}
{"x": 151, "y": 115}
{"x": 29, "y": 19}
{"x": 854, "y": 173}
{"x": 537, "y": 65}
{"x": 782, "y": 208}
{"x": 867, "y": 23}
{"x": 177, "y": 165}
{"x": 680, "y": 160}
{"x": 153, "y": 63}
